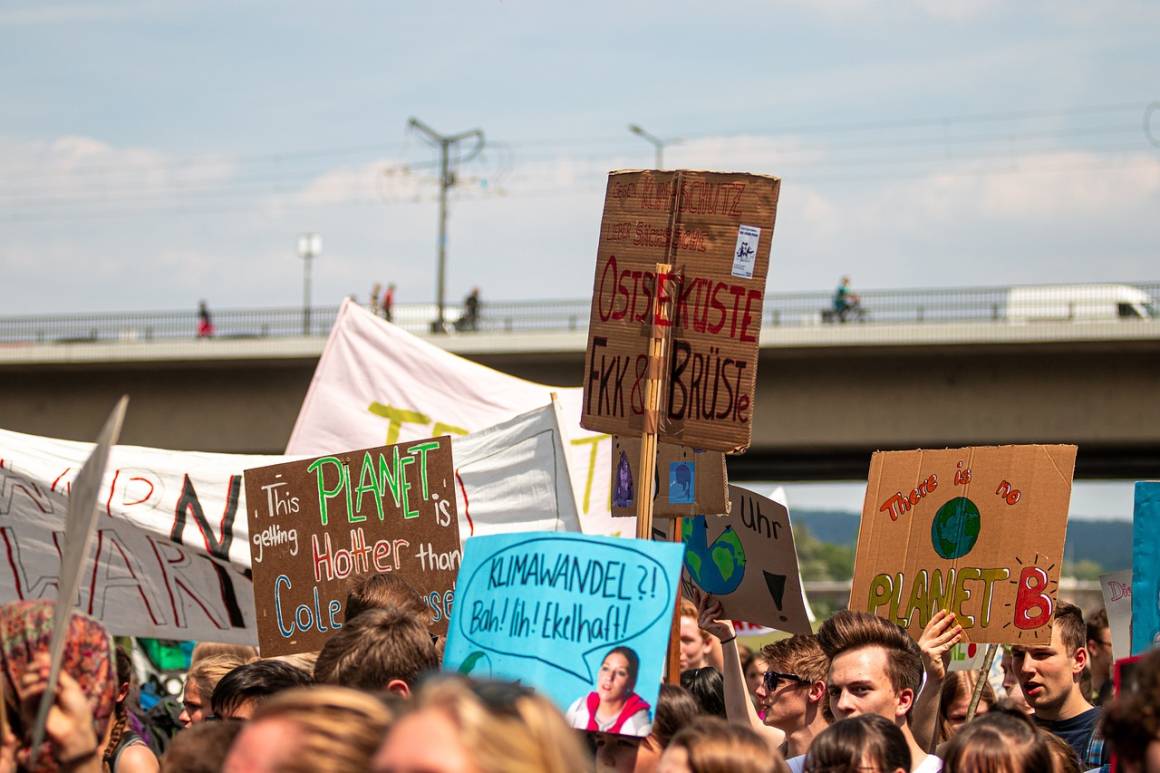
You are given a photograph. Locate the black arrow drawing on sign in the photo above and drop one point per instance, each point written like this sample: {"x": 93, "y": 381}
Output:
{"x": 776, "y": 585}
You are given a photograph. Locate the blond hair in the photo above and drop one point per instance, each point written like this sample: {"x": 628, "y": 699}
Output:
{"x": 209, "y": 649}
{"x": 527, "y": 734}
{"x": 336, "y": 729}
{"x": 206, "y": 672}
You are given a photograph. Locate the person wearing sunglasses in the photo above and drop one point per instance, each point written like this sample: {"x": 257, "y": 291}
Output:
{"x": 792, "y": 693}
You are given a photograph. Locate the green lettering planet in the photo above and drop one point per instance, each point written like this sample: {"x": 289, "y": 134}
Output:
{"x": 955, "y": 528}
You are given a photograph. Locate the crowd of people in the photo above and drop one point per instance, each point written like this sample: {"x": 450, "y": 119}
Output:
{"x": 859, "y": 695}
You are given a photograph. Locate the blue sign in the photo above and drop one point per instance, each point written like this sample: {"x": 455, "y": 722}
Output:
{"x": 683, "y": 483}
{"x": 584, "y": 620}
{"x": 1146, "y": 568}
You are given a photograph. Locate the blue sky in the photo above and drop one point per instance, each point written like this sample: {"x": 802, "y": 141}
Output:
{"x": 158, "y": 153}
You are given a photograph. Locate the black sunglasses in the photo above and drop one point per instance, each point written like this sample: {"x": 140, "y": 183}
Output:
{"x": 771, "y": 679}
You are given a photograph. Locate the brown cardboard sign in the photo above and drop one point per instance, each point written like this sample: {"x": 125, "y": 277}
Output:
{"x": 978, "y": 531}
{"x": 688, "y": 480}
{"x": 747, "y": 559}
{"x": 318, "y": 525}
{"x": 715, "y": 229}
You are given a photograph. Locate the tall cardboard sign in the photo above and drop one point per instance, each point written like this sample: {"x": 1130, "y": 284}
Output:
{"x": 688, "y": 480}
{"x": 715, "y": 229}
{"x": 748, "y": 561}
{"x": 978, "y": 531}
{"x": 318, "y": 525}
{"x": 555, "y": 611}
{"x": 1146, "y": 567}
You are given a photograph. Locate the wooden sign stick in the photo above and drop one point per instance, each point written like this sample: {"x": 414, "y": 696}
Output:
{"x": 654, "y": 380}
{"x": 988, "y": 659}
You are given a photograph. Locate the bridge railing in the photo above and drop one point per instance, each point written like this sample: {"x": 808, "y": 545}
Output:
{"x": 977, "y": 305}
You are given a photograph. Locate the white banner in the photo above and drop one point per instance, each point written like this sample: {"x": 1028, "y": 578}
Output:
{"x": 377, "y": 383}
{"x": 172, "y": 544}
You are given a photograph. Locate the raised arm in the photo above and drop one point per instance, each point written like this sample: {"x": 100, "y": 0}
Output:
{"x": 940, "y": 634}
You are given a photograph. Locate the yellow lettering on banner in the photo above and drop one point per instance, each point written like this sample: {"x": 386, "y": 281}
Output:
{"x": 593, "y": 441}
{"x": 446, "y": 429}
{"x": 396, "y": 418}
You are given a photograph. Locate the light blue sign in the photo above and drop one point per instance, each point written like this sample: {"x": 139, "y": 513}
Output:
{"x": 683, "y": 483}
{"x": 584, "y": 620}
{"x": 1146, "y": 568}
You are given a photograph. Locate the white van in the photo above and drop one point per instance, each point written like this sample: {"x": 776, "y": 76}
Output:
{"x": 1079, "y": 303}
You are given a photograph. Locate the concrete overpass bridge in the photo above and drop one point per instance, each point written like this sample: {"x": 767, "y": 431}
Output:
{"x": 929, "y": 374}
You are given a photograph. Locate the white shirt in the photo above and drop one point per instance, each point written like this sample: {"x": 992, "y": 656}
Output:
{"x": 931, "y": 764}
{"x": 638, "y": 724}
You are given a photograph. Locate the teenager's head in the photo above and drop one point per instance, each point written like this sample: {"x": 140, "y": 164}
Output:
{"x": 241, "y": 691}
{"x": 793, "y": 682}
{"x": 380, "y": 649}
{"x": 384, "y": 591}
{"x": 753, "y": 666}
{"x": 695, "y": 645}
{"x": 1099, "y": 643}
{"x": 471, "y": 726}
{"x": 707, "y": 687}
{"x": 998, "y": 742}
{"x": 711, "y": 744}
{"x": 201, "y": 748}
{"x": 875, "y": 667}
{"x": 1049, "y": 673}
{"x": 864, "y": 742}
{"x": 200, "y": 682}
{"x": 955, "y": 699}
{"x": 244, "y": 653}
{"x": 323, "y": 729}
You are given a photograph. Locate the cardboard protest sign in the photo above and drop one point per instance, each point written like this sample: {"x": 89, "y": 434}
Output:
{"x": 978, "y": 531}
{"x": 688, "y": 481}
{"x": 715, "y": 229}
{"x": 1117, "y": 590}
{"x": 376, "y": 383}
{"x": 584, "y": 620}
{"x": 317, "y": 525}
{"x": 1146, "y": 568}
{"x": 747, "y": 560}
{"x": 80, "y": 529}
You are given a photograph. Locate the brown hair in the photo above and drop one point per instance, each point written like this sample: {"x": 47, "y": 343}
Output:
{"x": 1072, "y": 631}
{"x": 997, "y": 742}
{"x": 209, "y": 670}
{"x": 847, "y": 630}
{"x": 511, "y": 730}
{"x": 1097, "y": 621}
{"x": 716, "y": 746}
{"x": 201, "y": 748}
{"x": 955, "y": 686}
{"x": 1063, "y": 757}
{"x": 337, "y": 729}
{"x": 376, "y": 647}
{"x": 243, "y": 653}
{"x": 676, "y": 708}
{"x": 801, "y": 655}
{"x": 846, "y": 743}
{"x": 384, "y": 591}
{"x": 1131, "y": 721}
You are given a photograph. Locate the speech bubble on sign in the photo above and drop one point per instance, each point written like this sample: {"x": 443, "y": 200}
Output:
{"x": 552, "y": 610}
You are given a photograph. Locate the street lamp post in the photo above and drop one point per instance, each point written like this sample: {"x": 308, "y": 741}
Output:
{"x": 309, "y": 247}
{"x": 657, "y": 142}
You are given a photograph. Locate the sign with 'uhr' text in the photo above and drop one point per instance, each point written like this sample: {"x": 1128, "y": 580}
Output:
{"x": 978, "y": 531}
{"x": 715, "y": 229}
{"x": 319, "y": 525}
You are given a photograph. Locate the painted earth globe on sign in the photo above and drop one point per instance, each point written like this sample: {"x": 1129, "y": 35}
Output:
{"x": 717, "y": 568}
{"x": 955, "y": 528}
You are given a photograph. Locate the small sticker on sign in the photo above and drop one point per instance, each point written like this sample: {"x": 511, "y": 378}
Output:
{"x": 745, "y": 256}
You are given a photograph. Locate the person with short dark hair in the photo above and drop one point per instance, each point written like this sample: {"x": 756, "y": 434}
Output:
{"x": 862, "y": 742}
{"x": 378, "y": 649}
{"x": 242, "y": 690}
{"x": 708, "y": 688}
{"x": 1099, "y": 644}
{"x": 875, "y": 668}
{"x": 1050, "y": 674}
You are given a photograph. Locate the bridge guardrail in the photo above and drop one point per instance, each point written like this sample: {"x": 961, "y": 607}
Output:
{"x": 978, "y": 305}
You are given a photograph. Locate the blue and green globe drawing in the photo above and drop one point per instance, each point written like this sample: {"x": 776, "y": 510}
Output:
{"x": 955, "y": 528}
{"x": 719, "y": 567}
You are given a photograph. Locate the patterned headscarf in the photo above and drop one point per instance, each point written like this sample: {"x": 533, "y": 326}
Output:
{"x": 25, "y": 631}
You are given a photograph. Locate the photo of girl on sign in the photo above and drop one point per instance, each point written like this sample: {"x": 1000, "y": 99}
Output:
{"x": 613, "y": 707}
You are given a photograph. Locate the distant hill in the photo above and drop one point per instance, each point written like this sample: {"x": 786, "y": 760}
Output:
{"x": 1108, "y": 543}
